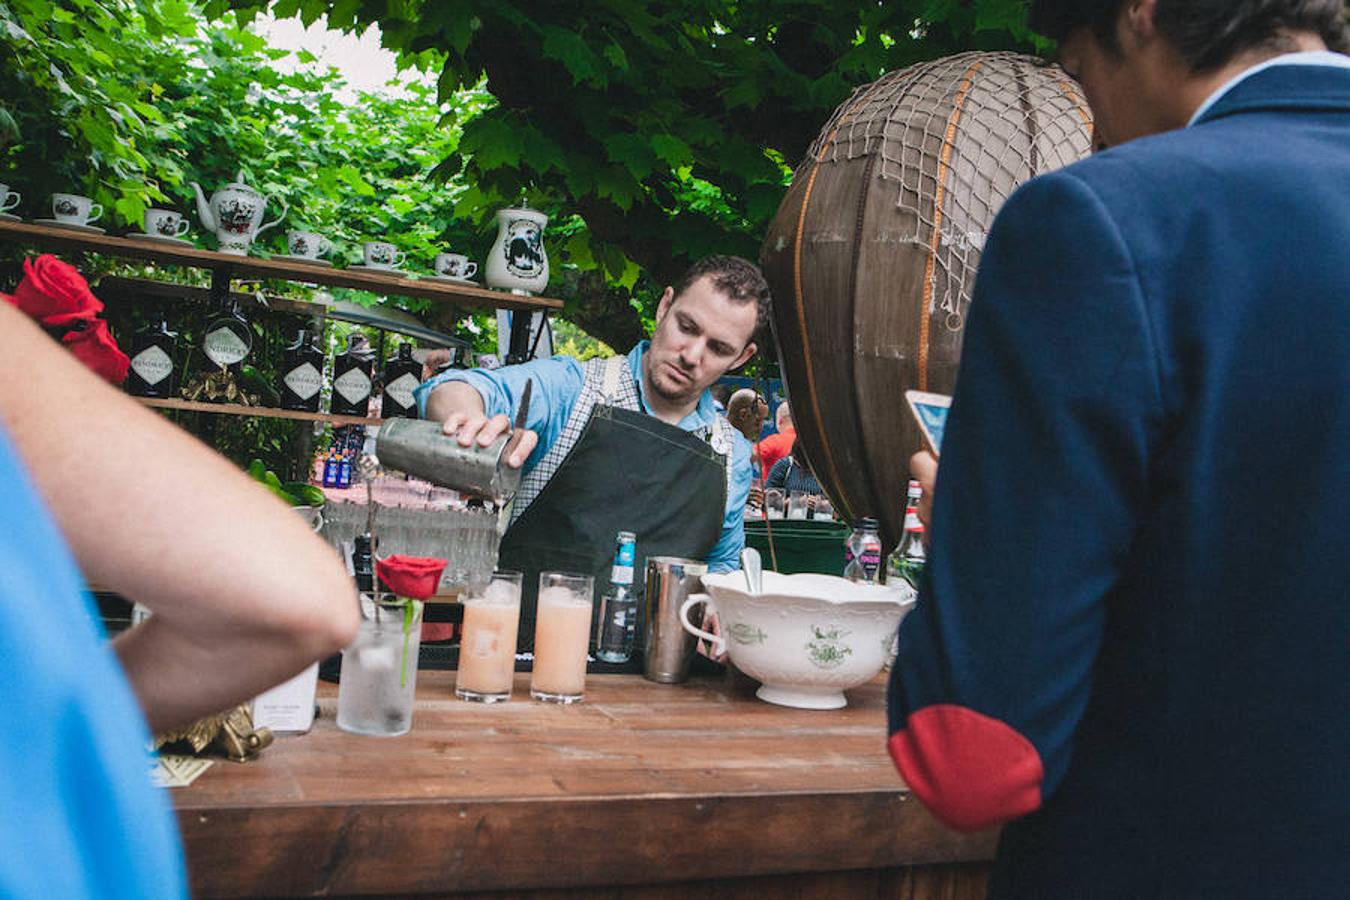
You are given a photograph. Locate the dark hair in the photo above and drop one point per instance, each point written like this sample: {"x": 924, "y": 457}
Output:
{"x": 1207, "y": 33}
{"x": 738, "y": 278}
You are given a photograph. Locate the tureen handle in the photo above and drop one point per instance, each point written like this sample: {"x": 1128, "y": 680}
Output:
{"x": 719, "y": 644}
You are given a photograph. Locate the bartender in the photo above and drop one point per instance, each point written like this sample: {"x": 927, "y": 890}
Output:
{"x": 622, "y": 444}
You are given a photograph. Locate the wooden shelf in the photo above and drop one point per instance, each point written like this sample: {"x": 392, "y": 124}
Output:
{"x": 257, "y": 267}
{"x": 117, "y": 286}
{"x": 267, "y": 412}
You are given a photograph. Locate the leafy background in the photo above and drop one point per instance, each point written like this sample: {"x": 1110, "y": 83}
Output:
{"x": 651, "y": 133}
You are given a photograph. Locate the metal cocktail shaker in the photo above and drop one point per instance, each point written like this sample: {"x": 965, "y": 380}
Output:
{"x": 420, "y": 448}
{"x": 668, "y": 650}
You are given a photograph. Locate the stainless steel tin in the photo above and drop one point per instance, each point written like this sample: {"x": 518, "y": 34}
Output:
{"x": 419, "y": 448}
{"x": 668, "y": 650}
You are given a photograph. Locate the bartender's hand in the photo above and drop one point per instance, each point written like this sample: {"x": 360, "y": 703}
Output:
{"x": 471, "y": 427}
{"x": 460, "y": 409}
{"x": 924, "y": 467}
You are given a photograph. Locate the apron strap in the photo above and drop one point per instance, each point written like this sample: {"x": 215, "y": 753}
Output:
{"x": 613, "y": 372}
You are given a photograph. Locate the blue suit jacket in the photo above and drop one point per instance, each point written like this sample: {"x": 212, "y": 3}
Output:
{"x": 1136, "y": 631}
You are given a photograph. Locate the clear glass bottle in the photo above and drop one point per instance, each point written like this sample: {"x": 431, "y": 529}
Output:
{"x": 862, "y": 552}
{"x": 402, "y": 374}
{"x": 302, "y": 374}
{"x": 617, "y": 625}
{"x": 906, "y": 562}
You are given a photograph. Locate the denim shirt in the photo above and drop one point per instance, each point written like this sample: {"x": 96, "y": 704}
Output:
{"x": 557, "y": 385}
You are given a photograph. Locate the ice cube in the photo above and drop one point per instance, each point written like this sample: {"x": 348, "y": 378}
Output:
{"x": 500, "y": 593}
{"x": 377, "y": 659}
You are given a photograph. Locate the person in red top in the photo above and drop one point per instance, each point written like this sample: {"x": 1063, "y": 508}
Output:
{"x": 776, "y": 446}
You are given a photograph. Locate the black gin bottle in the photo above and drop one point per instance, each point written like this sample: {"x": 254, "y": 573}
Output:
{"x": 153, "y": 361}
{"x": 402, "y": 374}
{"x": 228, "y": 337}
{"x": 351, "y": 378}
{"x": 302, "y": 374}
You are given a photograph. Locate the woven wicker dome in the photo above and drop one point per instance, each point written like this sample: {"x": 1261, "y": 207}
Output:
{"x": 873, "y": 253}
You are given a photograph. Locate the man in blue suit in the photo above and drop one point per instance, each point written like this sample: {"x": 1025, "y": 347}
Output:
{"x": 1134, "y": 643}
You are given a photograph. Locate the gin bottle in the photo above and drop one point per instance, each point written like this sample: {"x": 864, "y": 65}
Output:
{"x": 617, "y": 625}
{"x": 302, "y": 374}
{"x": 153, "y": 361}
{"x": 402, "y": 374}
{"x": 228, "y": 337}
{"x": 351, "y": 378}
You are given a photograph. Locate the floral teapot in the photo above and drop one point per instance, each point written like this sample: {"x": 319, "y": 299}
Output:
{"x": 234, "y": 213}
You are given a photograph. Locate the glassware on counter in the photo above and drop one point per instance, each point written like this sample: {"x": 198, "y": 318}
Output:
{"x": 379, "y": 668}
{"x": 562, "y": 632}
{"x": 487, "y": 649}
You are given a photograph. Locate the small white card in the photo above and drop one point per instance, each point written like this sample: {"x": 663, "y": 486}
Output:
{"x": 288, "y": 707}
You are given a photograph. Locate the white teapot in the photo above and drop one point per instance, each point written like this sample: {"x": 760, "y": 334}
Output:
{"x": 517, "y": 261}
{"x": 234, "y": 213}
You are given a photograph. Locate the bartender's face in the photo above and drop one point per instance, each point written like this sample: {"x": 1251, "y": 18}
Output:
{"x": 700, "y": 336}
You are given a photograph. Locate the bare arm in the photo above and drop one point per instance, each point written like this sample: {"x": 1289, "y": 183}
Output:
{"x": 244, "y": 594}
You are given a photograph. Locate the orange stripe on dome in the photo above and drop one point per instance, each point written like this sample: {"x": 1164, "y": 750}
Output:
{"x": 944, "y": 166}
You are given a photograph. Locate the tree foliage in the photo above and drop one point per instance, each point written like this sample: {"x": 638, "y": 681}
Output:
{"x": 669, "y": 128}
{"x": 651, "y": 133}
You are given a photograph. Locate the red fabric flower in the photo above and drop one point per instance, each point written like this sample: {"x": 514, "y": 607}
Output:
{"x": 410, "y": 576}
{"x": 55, "y": 293}
{"x": 95, "y": 347}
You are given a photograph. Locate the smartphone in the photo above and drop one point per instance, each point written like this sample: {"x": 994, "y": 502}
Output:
{"x": 930, "y": 411}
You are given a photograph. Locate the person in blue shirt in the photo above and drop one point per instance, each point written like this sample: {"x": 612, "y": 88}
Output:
{"x": 1131, "y": 642}
{"x": 629, "y": 443}
{"x": 244, "y": 595}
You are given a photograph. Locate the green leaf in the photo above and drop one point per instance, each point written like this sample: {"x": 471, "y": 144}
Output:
{"x": 568, "y": 48}
{"x": 353, "y": 178}
{"x": 615, "y": 184}
{"x": 493, "y": 143}
{"x": 672, "y": 150}
{"x": 617, "y": 58}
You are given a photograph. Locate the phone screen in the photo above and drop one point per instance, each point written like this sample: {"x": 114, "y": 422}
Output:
{"x": 934, "y": 419}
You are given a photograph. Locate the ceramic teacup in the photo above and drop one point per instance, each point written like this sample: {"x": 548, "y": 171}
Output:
{"x": 382, "y": 255}
{"x": 8, "y": 199}
{"x": 455, "y": 265}
{"x": 165, "y": 223}
{"x": 309, "y": 244}
{"x": 75, "y": 209}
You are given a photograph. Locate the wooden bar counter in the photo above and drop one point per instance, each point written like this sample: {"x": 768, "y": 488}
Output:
{"x": 642, "y": 791}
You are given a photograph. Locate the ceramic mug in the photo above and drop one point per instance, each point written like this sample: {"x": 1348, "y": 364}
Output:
{"x": 8, "y": 199}
{"x": 165, "y": 223}
{"x": 455, "y": 265}
{"x": 309, "y": 244}
{"x": 382, "y": 255}
{"x": 75, "y": 209}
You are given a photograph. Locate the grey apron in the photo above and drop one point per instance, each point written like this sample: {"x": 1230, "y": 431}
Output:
{"x": 627, "y": 472}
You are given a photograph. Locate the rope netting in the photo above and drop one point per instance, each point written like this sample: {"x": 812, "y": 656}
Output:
{"x": 954, "y": 138}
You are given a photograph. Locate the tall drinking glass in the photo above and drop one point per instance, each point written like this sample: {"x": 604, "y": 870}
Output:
{"x": 562, "y": 631}
{"x": 487, "y": 648}
{"x": 379, "y": 669}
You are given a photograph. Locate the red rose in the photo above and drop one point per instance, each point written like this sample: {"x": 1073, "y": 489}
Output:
{"x": 410, "y": 576}
{"x": 95, "y": 347}
{"x": 54, "y": 293}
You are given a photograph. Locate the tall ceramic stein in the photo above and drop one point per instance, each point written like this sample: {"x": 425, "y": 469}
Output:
{"x": 517, "y": 261}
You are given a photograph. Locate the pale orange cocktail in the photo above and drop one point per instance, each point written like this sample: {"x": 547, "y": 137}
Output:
{"x": 562, "y": 631}
{"x": 487, "y": 648}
